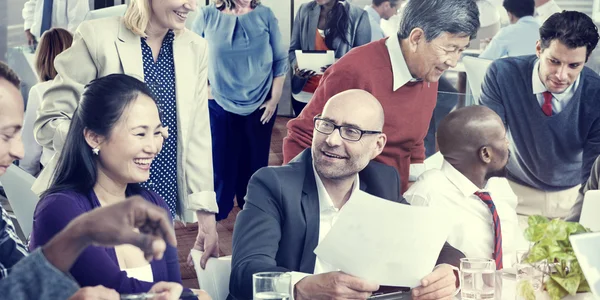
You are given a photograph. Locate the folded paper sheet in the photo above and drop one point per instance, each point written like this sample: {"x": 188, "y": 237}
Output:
{"x": 385, "y": 242}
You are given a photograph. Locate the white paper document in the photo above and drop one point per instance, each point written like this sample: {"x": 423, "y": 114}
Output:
{"x": 385, "y": 242}
{"x": 314, "y": 60}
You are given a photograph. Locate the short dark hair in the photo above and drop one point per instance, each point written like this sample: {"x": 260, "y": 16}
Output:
{"x": 392, "y": 2}
{"x": 102, "y": 104}
{"x": 7, "y": 73}
{"x": 519, "y": 8}
{"x": 571, "y": 28}
{"x": 438, "y": 16}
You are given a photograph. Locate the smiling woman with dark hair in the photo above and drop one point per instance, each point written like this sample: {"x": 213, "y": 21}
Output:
{"x": 115, "y": 135}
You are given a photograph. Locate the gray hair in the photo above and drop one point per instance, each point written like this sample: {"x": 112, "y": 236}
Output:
{"x": 435, "y": 17}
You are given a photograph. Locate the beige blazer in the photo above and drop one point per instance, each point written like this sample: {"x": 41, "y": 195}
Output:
{"x": 105, "y": 46}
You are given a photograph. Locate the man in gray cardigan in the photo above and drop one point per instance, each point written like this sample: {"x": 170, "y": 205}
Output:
{"x": 290, "y": 208}
{"x": 550, "y": 104}
{"x": 44, "y": 274}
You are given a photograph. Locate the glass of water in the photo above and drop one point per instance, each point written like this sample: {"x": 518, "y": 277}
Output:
{"x": 530, "y": 276}
{"x": 477, "y": 278}
{"x": 271, "y": 285}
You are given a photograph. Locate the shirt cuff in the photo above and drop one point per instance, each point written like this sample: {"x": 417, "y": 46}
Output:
{"x": 415, "y": 171}
{"x": 204, "y": 201}
{"x": 296, "y": 276}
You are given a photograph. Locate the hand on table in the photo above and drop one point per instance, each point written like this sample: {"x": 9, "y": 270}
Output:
{"x": 333, "y": 285}
{"x": 166, "y": 290}
{"x": 95, "y": 293}
{"x": 439, "y": 284}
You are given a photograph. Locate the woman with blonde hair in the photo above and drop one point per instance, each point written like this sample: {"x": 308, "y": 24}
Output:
{"x": 149, "y": 42}
{"x": 52, "y": 43}
{"x": 247, "y": 70}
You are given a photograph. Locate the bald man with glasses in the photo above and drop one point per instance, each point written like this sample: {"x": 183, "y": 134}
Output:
{"x": 290, "y": 208}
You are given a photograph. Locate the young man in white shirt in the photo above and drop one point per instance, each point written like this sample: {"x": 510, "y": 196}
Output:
{"x": 475, "y": 149}
{"x": 290, "y": 208}
{"x": 67, "y": 14}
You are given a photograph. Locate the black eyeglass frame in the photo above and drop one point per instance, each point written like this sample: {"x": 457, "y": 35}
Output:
{"x": 339, "y": 128}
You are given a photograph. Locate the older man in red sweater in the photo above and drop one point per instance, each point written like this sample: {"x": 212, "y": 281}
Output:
{"x": 402, "y": 73}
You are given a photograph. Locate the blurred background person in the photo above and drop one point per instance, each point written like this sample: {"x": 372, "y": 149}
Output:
{"x": 149, "y": 42}
{"x": 544, "y": 9}
{"x": 52, "y": 43}
{"x": 378, "y": 10}
{"x": 41, "y": 15}
{"x": 248, "y": 64}
{"x": 115, "y": 135}
{"x": 324, "y": 25}
{"x": 489, "y": 18}
{"x": 520, "y": 37}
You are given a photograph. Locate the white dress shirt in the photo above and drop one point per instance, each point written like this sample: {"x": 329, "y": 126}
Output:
{"x": 402, "y": 76}
{"x": 67, "y": 14}
{"x": 328, "y": 215}
{"x": 559, "y": 101}
{"x": 544, "y": 11}
{"x": 375, "y": 20}
{"x": 473, "y": 226}
{"x": 514, "y": 40}
{"x": 34, "y": 153}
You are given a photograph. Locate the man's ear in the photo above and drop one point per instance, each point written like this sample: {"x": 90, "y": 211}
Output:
{"x": 485, "y": 154}
{"x": 379, "y": 145}
{"x": 93, "y": 139}
{"x": 416, "y": 37}
{"x": 538, "y": 48}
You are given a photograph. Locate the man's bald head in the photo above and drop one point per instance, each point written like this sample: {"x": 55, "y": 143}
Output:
{"x": 359, "y": 105}
{"x": 337, "y": 155}
{"x": 464, "y": 131}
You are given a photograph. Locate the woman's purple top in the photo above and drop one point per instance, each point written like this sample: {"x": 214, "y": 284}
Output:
{"x": 97, "y": 265}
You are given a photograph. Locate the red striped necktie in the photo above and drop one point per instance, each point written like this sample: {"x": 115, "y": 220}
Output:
{"x": 487, "y": 199}
{"x": 547, "y": 106}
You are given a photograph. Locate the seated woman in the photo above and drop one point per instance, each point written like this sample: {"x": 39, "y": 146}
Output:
{"x": 52, "y": 43}
{"x": 115, "y": 134}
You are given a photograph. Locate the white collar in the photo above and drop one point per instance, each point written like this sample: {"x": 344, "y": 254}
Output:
{"x": 462, "y": 183}
{"x": 399, "y": 67}
{"x": 325, "y": 203}
{"x": 539, "y": 87}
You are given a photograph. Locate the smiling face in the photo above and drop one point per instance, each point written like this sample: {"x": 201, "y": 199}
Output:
{"x": 170, "y": 14}
{"x": 430, "y": 59}
{"x": 560, "y": 65}
{"x": 126, "y": 155}
{"x": 11, "y": 121}
{"x": 336, "y": 158}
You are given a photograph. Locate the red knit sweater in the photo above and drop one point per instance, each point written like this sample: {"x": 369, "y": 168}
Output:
{"x": 408, "y": 110}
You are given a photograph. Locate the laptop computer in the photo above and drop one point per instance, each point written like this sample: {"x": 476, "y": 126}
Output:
{"x": 586, "y": 247}
{"x": 590, "y": 209}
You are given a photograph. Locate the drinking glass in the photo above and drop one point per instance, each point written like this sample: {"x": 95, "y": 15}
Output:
{"x": 530, "y": 276}
{"x": 271, "y": 286}
{"x": 477, "y": 278}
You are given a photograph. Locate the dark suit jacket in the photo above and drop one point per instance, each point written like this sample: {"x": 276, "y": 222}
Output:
{"x": 279, "y": 227}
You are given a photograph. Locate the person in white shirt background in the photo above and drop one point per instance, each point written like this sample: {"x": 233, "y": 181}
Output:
{"x": 52, "y": 43}
{"x": 378, "y": 10}
{"x": 473, "y": 143}
{"x": 67, "y": 14}
{"x": 520, "y": 37}
{"x": 544, "y": 9}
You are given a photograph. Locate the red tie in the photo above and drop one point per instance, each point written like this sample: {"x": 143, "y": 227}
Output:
{"x": 487, "y": 199}
{"x": 547, "y": 106}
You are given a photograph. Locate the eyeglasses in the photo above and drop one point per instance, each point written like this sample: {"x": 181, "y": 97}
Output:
{"x": 346, "y": 132}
